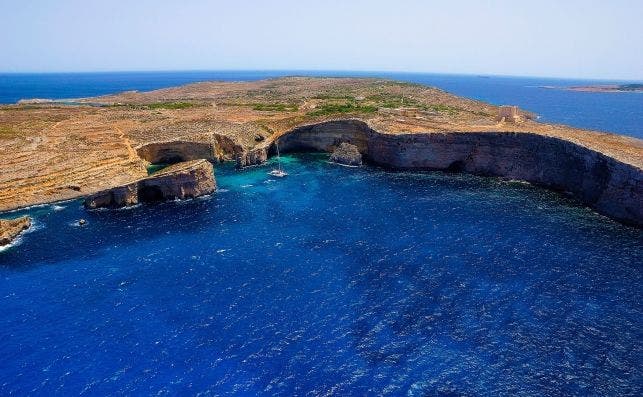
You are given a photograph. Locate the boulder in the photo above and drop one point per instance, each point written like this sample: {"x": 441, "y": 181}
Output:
{"x": 179, "y": 181}
{"x": 11, "y": 228}
{"x": 346, "y": 154}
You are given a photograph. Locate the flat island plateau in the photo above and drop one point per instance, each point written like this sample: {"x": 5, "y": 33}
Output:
{"x": 102, "y": 147}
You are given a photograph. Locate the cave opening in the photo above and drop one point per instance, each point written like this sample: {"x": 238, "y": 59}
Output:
{"x": 150, "y": 194}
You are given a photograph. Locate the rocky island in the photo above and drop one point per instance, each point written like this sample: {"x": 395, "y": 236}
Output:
{"x": 100, "y": 147}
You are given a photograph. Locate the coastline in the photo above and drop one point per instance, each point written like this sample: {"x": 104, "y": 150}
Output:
{"x": 111, "y": 145}
{"x": 611, "y": 187}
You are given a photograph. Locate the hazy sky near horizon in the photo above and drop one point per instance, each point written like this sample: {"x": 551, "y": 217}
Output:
{"x": 560, "y": 38}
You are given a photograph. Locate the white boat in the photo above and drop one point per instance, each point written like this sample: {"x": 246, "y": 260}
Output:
{"x": 278, "y": 172}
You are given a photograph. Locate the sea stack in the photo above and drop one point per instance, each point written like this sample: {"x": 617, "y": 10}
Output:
{"x": 346, "y": 154}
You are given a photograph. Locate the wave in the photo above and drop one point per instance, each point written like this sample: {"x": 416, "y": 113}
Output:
{"x": 35, "y": 226}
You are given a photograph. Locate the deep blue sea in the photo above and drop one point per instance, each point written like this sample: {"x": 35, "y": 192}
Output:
{"x": 331, "y": 281}
{"x": 620, "y": 113}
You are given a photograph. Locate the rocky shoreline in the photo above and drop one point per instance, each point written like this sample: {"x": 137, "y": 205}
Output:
{"x": 181, "y": 181}
{"x": 52, "y": 151}
{"x": 10, "y": 229}
{"x": 611, "y": 187}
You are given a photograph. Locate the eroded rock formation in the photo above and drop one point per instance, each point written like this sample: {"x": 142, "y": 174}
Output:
{"x": 180, "y": 181}
{"x": 53, "y": 151}
{"x": 611, "y": 187}
{"x": 346, "y": 154}
{"x": 11, "y": 228}
{"x": 171, "y": 152}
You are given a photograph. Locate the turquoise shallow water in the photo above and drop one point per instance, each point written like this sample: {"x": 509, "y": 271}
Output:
{"x": 346, "y": 281}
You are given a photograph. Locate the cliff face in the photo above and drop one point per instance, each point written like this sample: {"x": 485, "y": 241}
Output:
{"x": 117, "y": 197}
{"x": 53, "y": 151}
{"x": 611, "y": 187}
{"x": 180, "y": 181}
{"x": 177, "y": 151}
{"x": 11, "y": 228}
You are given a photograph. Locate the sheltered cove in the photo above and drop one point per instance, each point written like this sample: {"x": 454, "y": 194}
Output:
{"x": 55, "y": 151}
{"x": 599, "y": 181}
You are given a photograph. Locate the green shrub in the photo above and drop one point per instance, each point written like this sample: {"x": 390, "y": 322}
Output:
{"x": 275, "y": 107}
{"x": 341, "y": 108}
{"x": 170, "y": 105}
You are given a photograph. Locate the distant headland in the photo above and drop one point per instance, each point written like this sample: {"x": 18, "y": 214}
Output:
{"x": 633, "y": 87}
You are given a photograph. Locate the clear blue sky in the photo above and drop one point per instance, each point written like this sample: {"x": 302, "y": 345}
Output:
{"x": 562, "y": 38}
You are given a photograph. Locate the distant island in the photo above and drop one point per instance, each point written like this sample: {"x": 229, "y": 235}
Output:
{"x": 633, "y": 87}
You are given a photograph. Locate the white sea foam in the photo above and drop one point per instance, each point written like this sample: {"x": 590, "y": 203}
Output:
{"x": 35, "y": 225}
{"x": 17, "y": 241}
{"x": 43, "y": 205}
{"x": 517, "y": 181}
{"x": 343, "y": 165}
{"x": 27, "y": 208}
{"x": 130, "y": 207}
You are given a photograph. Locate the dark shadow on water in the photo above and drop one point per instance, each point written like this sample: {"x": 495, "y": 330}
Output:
{"x": 62, "y": 239}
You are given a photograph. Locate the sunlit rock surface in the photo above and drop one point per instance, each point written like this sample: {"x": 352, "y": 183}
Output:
{"x": 52, "y": 151}
{"x": 180, "y": 181}
{"x": 11, "y": 228}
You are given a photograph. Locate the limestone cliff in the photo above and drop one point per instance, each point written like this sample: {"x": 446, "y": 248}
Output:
{"x": 170, "y": 152}
{"x": 11, "y": 228}
{"x": 180, "y": 181}
{"x": 53, "y": 151}
{"x": 612, "y": 187}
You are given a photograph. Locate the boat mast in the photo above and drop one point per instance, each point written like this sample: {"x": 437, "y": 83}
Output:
{"x": 278, "y": 157}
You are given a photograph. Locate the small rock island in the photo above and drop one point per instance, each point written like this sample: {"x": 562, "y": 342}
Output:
{"x": 346, "y": 154}
{"x": 101, "y": 147}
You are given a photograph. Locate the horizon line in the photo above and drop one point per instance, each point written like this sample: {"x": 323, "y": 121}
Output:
{"x": 309, "y": 71}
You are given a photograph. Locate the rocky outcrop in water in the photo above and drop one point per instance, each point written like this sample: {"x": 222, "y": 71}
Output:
{"x": 11, "y": 228}
{"x": 611, "y": 187}
{"x": 179, "y": 181}
{"x": 251, "y": 157}
{"x": 346, "y": 154}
